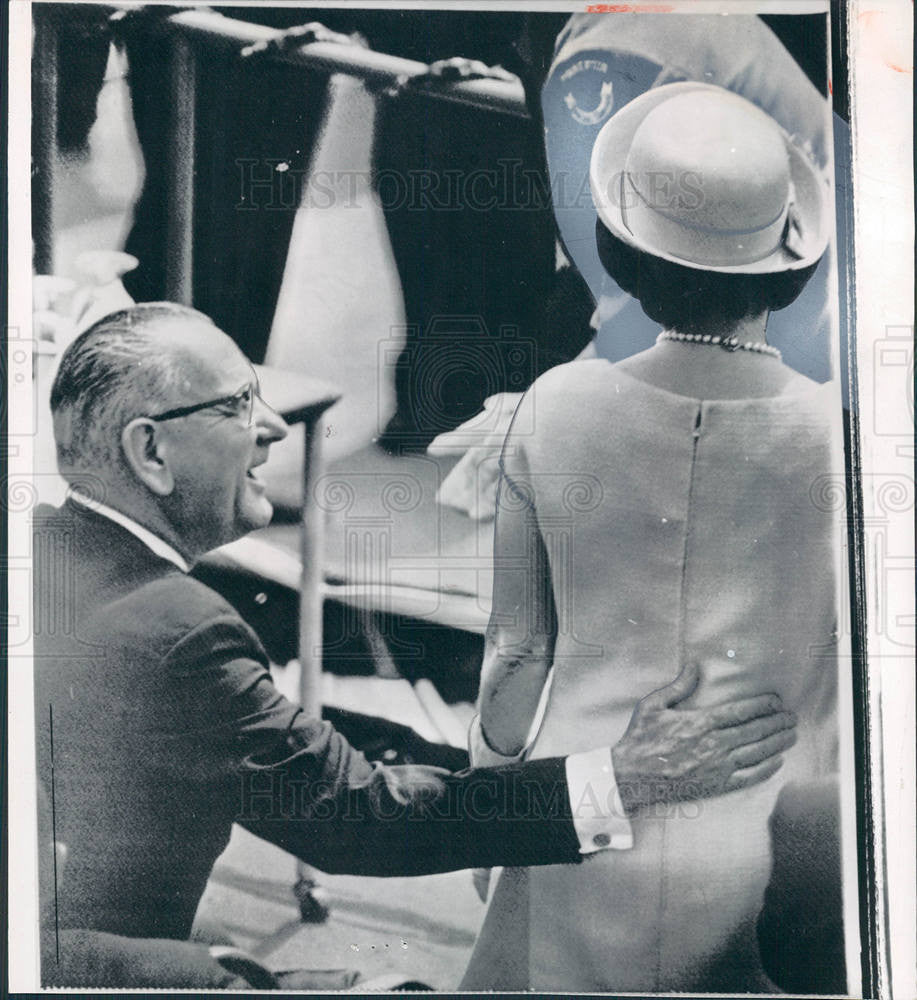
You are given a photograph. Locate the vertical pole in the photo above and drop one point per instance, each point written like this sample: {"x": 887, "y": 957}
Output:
{"x": 310, "y": 595}
{"x": 180, "y": 207}
{"x": 44, "y": 138}
{"x": 312, "y": 909}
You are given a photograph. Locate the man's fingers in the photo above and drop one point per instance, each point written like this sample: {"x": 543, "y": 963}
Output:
{"x": 757, "y": 729}
{"x": 733, "y": 713}
{"x": 755, "y": 753}
{"x": 753, "y": 775}
{"x": 682, "y": 687}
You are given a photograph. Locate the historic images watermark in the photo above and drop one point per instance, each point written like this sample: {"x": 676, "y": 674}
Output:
{"x": 276, "y": 185}
{"x": 272, "y": 796}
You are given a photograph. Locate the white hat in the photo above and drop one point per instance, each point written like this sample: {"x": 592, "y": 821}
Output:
{"x": 699, "y": 176}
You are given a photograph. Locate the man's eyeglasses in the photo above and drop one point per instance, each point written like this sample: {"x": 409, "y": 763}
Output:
{"x": 240, "y": 404}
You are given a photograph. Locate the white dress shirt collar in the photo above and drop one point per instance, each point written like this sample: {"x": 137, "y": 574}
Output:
{"x": 153, "y": 542}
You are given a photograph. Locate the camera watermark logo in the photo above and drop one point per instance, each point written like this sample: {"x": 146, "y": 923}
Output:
{"x": 16, "y": 372}
{"x": 893, "y": 361}
{"x": 443, "y": 373}
{"x": 892, "y": 496}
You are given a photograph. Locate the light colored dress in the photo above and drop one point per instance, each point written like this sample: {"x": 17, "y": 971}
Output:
{"x": 675, "y": 530}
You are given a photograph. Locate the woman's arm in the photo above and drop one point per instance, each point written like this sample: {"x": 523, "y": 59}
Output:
{"x": 519, "y": 647}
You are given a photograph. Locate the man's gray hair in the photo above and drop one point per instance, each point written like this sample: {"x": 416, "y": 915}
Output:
{"x": 113, "y": 372}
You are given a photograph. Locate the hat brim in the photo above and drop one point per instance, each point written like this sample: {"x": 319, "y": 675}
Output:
{"x": 609, "y": 157}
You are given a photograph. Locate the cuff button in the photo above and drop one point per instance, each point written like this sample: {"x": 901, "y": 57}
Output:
{"x": 601, "y": 840}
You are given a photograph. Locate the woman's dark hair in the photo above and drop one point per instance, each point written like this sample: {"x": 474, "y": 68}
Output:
{"x": 690, "y": 300}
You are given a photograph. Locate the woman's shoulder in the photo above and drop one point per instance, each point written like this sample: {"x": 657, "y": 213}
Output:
{"x": 603, "y": 389}
{"x": 799, "y": 384}
{"x": 820, "y": 402}
{"x": 567, "y": 401}
{"x": 583, "y": 377}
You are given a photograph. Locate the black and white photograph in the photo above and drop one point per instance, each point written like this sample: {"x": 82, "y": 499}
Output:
{"x": 461, "y": 481}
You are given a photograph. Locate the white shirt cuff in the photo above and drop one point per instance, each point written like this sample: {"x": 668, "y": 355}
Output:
{"x": 598, "y": 813}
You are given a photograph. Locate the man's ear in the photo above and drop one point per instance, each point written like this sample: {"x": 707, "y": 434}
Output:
{"x": 146, "y": 455}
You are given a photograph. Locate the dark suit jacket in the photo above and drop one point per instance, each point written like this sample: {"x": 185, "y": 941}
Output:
{"x": 159, "y": 726}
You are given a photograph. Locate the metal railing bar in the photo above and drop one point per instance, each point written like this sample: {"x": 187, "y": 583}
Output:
{"x": 378, "y": 69}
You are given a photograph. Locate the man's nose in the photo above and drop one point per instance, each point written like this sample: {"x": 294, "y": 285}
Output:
{"x": 270, "y": 425}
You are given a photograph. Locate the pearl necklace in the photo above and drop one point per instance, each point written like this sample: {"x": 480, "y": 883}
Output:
{"x": 727, "y": 343}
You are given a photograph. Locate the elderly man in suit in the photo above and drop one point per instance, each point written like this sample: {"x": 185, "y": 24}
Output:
{"x": 158, "y": 724}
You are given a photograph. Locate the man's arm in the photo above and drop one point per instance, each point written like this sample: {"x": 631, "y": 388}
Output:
{"x": 299, "y": 784}
{"x": 304, "y": 788}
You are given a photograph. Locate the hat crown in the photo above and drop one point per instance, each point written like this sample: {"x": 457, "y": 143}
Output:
{"x": 698, "y": 175}
{"x": 712, "y": 161}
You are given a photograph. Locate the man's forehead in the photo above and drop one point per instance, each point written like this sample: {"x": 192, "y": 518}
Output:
{"x": 204, "y": 353}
